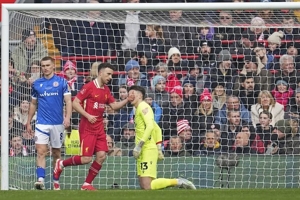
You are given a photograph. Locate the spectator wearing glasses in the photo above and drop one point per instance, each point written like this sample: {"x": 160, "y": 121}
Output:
{"x": 226, "y": 31}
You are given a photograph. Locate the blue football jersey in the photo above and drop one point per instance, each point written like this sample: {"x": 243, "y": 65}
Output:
{"x": 50, "y": 99}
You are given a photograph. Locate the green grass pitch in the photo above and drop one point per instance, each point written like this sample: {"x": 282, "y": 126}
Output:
{"x": 172, "y": 194}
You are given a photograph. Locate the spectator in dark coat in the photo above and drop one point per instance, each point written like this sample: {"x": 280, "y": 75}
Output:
{"x": 293, "y": 108}
{"x": 178, "y": 35}
{"x": 210, "y": 145}
{"x": 223, "y": 71}
{"x": 204, "y": 114}
{"x": 175, "y": 111}
{"x": 152, "y": 45}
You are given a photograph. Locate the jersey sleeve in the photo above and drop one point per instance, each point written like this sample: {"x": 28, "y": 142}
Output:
{"x": 34, "y": 93}
{"x": 148, "y": 118}
{"x": 157, "y": 134}
{"x": 83, "y": 93}
{"x": 110, "y": 98}
{"x": 66, "y": 90}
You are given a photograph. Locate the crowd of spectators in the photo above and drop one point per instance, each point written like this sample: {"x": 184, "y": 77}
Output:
{"x": 222, "y": 88}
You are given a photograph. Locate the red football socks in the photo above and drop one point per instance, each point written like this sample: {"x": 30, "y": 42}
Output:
{"x": 93, "y": 172}
{"x": 74, "y": 160}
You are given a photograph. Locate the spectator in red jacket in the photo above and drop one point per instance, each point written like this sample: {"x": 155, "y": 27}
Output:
{"x": 282, "y": 93}
{"x": 171, "y": 79}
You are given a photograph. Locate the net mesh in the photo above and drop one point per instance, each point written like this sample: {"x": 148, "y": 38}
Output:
{"x": 213, "y": 66}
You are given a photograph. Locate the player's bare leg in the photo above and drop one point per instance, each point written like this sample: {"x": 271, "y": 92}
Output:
{"x": 56, "y": 154}
{"x": 42, "y": 150}
{"x": 145, "y": 182}
{"x": 94, "y": 170}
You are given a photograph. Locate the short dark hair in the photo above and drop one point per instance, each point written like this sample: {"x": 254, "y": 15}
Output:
{"x": 247, "y": 76}
{"x": 139, "y": 89}
{"x": 266, "y": 112}
{"x": 48, "y": 58}
{"x": 105, "y": 65}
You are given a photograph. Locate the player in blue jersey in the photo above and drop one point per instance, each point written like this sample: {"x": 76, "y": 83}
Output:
{"x": 48, "y": 96}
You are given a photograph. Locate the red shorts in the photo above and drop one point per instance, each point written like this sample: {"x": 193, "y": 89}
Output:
{"x": 92, "y": 143}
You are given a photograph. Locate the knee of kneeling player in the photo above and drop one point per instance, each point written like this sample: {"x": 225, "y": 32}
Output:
{"x": 86, "y": 159}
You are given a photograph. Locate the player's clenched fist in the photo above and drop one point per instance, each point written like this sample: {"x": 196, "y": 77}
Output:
{"x": 92, "y": 119}
{"x": 137, "y": 152}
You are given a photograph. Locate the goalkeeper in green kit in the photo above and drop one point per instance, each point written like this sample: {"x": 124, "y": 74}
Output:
{"x": 148, "y": 141}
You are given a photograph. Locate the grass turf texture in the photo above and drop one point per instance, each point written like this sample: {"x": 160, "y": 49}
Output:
{"x": 211, "y": 194}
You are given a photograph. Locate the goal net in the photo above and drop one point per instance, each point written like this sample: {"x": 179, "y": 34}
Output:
{"x": 223, "y": 85}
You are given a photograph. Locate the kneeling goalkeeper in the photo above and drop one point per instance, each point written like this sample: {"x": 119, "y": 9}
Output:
{"x": 148, "y": 141}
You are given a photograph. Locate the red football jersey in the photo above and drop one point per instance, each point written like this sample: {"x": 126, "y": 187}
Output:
{"x": 94, "y": 98}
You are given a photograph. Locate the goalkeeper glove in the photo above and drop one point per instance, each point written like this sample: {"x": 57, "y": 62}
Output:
{"x": 137, "y": 150}
{"x": 160, "y": 153}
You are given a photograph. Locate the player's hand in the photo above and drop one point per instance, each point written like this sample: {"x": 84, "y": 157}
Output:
{"x": 160, "y": 155}
{"x": 66, "y": 122}
{"x": 136, "y": 152}
{"x": 29, "y": 128}
{"x": 92, "y": 118}
{"x": 130, "y": 98}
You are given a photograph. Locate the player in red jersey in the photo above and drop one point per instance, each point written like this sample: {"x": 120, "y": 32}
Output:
{"x": 94, "y": 95}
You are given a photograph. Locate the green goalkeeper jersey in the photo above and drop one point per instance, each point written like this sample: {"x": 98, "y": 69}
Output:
{"x": 145, "y": 126}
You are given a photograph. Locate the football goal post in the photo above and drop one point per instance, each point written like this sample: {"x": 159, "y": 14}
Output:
{"x": 180, "y": 46}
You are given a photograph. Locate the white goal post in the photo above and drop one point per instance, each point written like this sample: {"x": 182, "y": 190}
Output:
{"x": 5, "y": 37}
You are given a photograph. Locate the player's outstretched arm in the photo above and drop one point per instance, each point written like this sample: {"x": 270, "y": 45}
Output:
{"x": 120, "y": 104}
